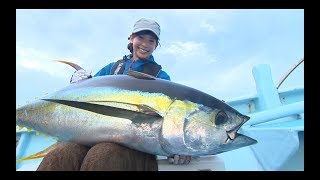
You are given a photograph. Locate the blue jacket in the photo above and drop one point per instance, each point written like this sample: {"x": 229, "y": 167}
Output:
{"x": 137, "y": 66}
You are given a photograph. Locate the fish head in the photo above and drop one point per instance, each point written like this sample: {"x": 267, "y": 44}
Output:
{"x": 209, "y": 132}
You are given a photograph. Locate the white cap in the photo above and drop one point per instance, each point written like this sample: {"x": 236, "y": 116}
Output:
{"x": 147, "y": 24}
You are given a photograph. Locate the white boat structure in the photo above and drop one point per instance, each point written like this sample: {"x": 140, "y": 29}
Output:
{"x": 277, "y": 123}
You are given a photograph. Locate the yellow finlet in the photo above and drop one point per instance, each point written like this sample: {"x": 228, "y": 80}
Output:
{"x": 20, "y": 127}
{"x": 29, "y": 129}
{"x": 40, "y": 154}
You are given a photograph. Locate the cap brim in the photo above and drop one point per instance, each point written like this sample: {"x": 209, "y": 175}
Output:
{"x": 144, "y": 29}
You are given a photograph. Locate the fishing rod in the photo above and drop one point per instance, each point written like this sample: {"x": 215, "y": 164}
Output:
{"x": 289, "y": 72}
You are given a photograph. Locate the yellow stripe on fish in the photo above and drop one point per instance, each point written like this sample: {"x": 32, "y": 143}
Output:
{"x": 131, "y": 100}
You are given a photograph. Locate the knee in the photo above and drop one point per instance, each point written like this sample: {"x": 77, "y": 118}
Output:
{"x": 107, "y": 149}
{"x": 111, "y": 156}
{"x": 68, "y": 149}
{"x": 64, "y": 157}
{"x": 107, "y": 146}
{"x": 75, "y": 147}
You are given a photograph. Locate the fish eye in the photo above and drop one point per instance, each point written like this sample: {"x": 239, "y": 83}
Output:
{"x": 221, "y": 118}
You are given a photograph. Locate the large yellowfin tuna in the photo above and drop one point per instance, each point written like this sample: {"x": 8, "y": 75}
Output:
{"x": 138, "y": 111}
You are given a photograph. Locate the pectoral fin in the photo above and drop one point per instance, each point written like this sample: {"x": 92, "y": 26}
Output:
{"x": 116, "y": 109}
{"x": 128, "y": 106}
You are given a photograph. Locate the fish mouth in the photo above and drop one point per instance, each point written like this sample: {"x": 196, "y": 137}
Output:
{"x": 227, "y": 140}
{"x": 241, "y": 140}
{"x": 233, "y": 133}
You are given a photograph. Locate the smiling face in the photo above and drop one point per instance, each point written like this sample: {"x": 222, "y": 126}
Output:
{"x": 144, "y": 43}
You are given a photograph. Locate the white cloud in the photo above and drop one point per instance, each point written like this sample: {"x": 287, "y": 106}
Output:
{"x": 235, "y": 81}
{"x": 28, "y": 58}
{"x": 208, "y": 21}
{"x": 226, "y": 84}
{"x": 195, "y": 13}
{"x": 188, "y": 51}
{"x": 237, "y": 74}
{"x": 207, "y": 26}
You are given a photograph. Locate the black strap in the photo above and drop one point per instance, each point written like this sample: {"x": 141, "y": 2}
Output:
{"x": 149, "y": 68}
{"x": 118, "y": 67}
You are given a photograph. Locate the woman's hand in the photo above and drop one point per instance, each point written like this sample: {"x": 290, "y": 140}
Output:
{"x": 176, "y": 159}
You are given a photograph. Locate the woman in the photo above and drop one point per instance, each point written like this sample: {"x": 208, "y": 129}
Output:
{"x": 111, "y": 156}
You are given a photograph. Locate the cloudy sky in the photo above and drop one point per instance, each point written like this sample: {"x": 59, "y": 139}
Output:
{"x": 210, "y": 50}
